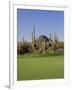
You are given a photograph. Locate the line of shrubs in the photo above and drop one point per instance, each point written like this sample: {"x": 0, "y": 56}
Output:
{"x": 24, "y": 48}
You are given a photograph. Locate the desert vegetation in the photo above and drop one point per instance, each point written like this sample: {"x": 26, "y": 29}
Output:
{"x": 42, "y": 58}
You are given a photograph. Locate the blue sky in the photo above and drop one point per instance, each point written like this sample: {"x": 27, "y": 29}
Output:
{"x": 45, "y": 22}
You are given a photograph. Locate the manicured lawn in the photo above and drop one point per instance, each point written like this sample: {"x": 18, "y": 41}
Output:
{"x": 42, "y": 67}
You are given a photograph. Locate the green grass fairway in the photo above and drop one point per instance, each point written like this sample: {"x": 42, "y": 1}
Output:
{"x": 42, "y": 67}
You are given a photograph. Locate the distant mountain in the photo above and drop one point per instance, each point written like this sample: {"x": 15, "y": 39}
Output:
{"x": 42, "y": 38}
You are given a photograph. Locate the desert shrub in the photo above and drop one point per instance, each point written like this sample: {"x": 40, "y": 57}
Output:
{"x": 24, "y": 47}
